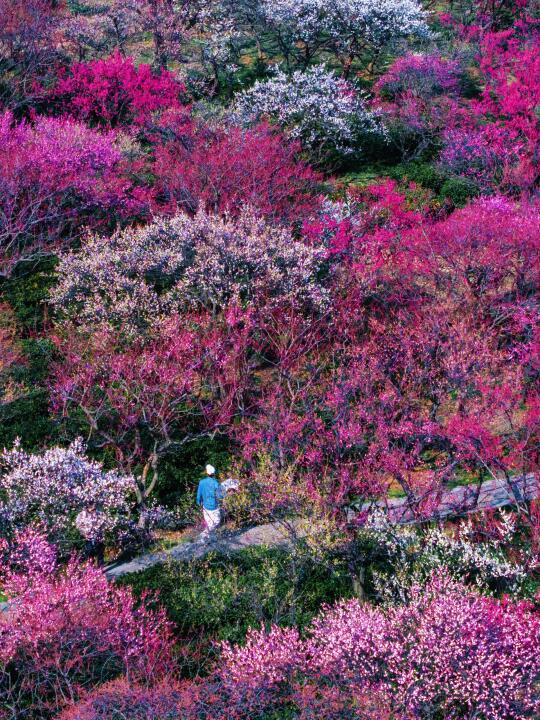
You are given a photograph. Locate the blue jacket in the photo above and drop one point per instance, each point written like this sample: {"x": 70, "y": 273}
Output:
{"x": 209, "y": 493}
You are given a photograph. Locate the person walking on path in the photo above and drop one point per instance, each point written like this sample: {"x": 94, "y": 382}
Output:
{"x": 209, "y": 494}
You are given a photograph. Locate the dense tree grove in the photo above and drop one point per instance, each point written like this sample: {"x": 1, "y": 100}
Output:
{"x": 299, "y": 240}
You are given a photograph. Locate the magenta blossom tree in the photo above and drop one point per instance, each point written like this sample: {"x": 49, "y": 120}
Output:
{"x": 113, "y": 92}
{"x": 448, "y": 652}
{"x": 68, "y": 629}
{"x": 56, "y": 176}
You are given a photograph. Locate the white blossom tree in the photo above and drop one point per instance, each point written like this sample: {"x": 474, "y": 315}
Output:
{"x": 137, "y": 276}
{"x": 51, "y": 488}
{"x": 326, "y": 113}
{"x": 350, "y": 29}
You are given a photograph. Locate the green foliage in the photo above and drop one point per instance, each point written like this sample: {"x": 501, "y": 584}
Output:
{"x": 24, "y": 410}
{"x": 424, "y": 174}
{"x": 27, "y": 415}
{"x": 220, "y": 597}
{"x": 459, "y": 191}
{"x": 27, "y": 290}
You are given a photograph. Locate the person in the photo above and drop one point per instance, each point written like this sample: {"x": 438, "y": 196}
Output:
{"x": 89, "y": 522}
{"x": 208, "y": 496}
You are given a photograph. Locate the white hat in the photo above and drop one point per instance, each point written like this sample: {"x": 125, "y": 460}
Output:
{"x": 210, "y": 469}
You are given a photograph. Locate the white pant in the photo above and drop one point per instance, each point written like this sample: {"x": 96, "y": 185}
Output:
{"x": 212, "y": 518}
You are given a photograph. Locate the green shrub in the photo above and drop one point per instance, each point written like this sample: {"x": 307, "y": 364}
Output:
{"x": 424, "y": 174}
{"x": 27, "y": 415}
{"x": 27, "y": 289}
{"x": 458, "y": 190}
{"x": 220, "y": 597}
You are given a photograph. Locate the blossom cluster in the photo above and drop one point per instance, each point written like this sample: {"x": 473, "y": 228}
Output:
{"x": 53, "y": 487}
{"x": 113, "y": 92}
{"x": 136, "y": 276}
{"x": 347, "y": 20}
{"x": 68, "y": 629}
{"x": 404, "y": 558}
{"x": 447, "y": 650}
{"x": 326, "y": 113}
{"x": 55, "y": 176}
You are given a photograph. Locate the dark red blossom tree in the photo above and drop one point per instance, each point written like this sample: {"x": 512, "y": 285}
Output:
{"x": 113, "y": 92}
{"x": 146, "y": 396}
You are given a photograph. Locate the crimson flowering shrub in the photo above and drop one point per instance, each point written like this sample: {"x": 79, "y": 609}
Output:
{"x": 113, "y": 92}
{"x": 68, "y": 629}
{"x": 448, "y": 653}
{"x": 53, "y": 487}
{"x": 56, "y": 176}
{"x": 495, "y": 140}
{"x": 224, "y": 169}
{"x": 417, "y": 95}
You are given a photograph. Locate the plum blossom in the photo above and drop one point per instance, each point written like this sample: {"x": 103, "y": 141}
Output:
{"x": 53, "y": 487}
{"x": 326, "y": 113}
{"x": 137, "y": 276}
{"x": 345, "y": 25}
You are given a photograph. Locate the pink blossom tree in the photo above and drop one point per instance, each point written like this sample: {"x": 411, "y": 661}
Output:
{"x": 113, "y": 92}
{"x": 55, "y": 177}
{"x": 148, "y": 396}
{"x": 447, "y": 652}
{"x": 68, "y": 629}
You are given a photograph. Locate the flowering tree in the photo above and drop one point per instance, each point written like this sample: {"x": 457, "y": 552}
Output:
{"x": 173, "y": 265}
{"x": 30, "y": 31}
{"x": 53, "y": 487}
{"x": 113, "y": 92}
{"x": 495, "y": 140}
{"x": 401, "y": 558}
{"x": 448, "y": 650}
{"x": 224, "y": 169}
{"x": 423, "y": 365}
{"x": 55, "y": 176}
{"x": 66, "y": 630}
{"x": 148, "y": 395}
{"x": 324, "y": 112}
{"x": 351, "y": 29}
{"x": 417, "y": 96}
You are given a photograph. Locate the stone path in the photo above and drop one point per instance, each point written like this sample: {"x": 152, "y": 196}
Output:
{"x": 458, "y": 501}
{"x": 464, "y": 499}
{"x": 271, "y": 534}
